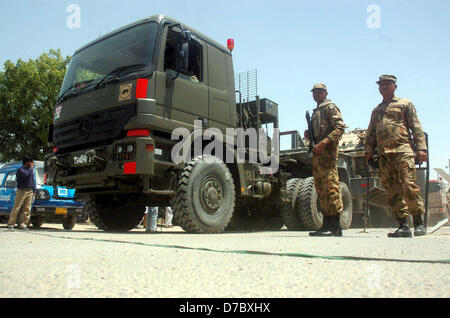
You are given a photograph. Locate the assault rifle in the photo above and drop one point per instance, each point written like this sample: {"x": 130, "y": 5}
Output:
{"x": 311, "y": 131}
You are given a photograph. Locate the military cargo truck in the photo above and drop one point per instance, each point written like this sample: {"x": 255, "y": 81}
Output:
{"x": 123, "y": 96}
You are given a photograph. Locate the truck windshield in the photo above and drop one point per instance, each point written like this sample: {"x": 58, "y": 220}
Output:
{"x": 130, "y": 47}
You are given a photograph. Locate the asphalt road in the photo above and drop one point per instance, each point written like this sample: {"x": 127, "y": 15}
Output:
{"x": 86, "y": 262}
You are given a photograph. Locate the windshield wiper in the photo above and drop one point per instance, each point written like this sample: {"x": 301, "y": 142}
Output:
{"x": 78, "y": 88}
{"x": 117, "y": 71}
{"x": 65, "y": 92}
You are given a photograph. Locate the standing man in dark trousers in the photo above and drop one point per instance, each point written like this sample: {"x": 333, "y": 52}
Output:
{"x": 328, "y": 128}
{"x": 26, "y": 190}
{"x": 389, "y": 130}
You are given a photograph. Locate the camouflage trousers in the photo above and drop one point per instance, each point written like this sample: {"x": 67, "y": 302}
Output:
{"x": 326, "y": 182}
{"x": 398, "y": 176}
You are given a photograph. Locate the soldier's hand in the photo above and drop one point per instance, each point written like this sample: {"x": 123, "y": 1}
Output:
{"x": 422, "y": 156}
{"x": 306, "y": 134}
{"x": 369, "y": 155}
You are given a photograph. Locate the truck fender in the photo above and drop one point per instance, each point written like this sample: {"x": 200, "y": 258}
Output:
{"x": 236, "y": 168}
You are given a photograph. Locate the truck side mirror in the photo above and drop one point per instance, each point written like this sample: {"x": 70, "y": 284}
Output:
{"x": 182, "y": 57}
{"x": 181, "y": 53}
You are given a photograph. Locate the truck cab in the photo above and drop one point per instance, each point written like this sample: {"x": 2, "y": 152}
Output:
{"x": 124, "y": 94}
{"x": 51, "y": 204}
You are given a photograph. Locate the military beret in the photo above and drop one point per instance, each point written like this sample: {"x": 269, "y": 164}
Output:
{"x": 387, "y": 77}
{"x": 319, "y": 86}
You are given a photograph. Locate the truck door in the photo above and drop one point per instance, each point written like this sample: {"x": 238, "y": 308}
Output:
{"x": 185, "y": 98}
{"x": 11, "y": 187}
{"x": 220, "y": 110}
{"x": 2, "y": 192}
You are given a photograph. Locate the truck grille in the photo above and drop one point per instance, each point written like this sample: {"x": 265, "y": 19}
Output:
{"x": 93, "y": 128}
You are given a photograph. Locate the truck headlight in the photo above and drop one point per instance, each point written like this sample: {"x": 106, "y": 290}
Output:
{"x": 43, "y": 194}
{"x": 130, "y": 148}
{"x": 119, "y": 149}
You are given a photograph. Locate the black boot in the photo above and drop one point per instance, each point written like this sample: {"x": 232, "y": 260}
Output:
{"x": 324, "y": 228}
{"x": 419, "y": 227}
{"x": 336, "y": 225}
{"x": 331, "y": 227}
{"x": 403, "y": 229}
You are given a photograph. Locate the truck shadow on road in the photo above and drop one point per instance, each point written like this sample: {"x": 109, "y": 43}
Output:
{"x": 282, "y": 233}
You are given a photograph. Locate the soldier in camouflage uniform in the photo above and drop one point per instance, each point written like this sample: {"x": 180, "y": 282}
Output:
{"x": 389, "y": 132}
{"x": 328, "y": 128}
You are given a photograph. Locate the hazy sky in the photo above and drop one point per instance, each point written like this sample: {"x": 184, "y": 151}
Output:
{"x": 347, "y": 44}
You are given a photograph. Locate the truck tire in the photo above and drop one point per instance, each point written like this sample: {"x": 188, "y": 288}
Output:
{"x": 205, "y": 198}
{"x": 83, "y": 217}
{"x": 347, "y": 202}
{"x": 36, "y": 223}
{"x": 289, "y": 213}
{"x": 307, "y": 203}
{"x": 69, "y": 222}
{"x": 308, "y": 206}
{"x": 109, "y": 217}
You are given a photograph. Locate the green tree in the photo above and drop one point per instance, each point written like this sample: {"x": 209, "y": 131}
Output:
{"x": 28, "y": 93}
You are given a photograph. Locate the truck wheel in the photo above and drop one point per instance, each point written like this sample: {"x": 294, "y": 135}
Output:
{"x": 109, "y": 217}
{"x": 308, "y": 206}
{"x": 289, "y": 214}
{"x": 205, "y": 197}
{"x": 83, "y": 217}
{"x": 239, "y": 220}
{"x": 347, "y": 202}
{"x": 37, "y": 223}
{"x": 69, "y": 222}
{"x": 307, "y": 203}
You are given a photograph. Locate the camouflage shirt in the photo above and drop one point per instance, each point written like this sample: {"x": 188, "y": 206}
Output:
{"x": 390, "y": 125}
{"x": 327, "y": 122}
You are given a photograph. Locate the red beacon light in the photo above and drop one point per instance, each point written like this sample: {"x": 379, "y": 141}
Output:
{"x": 230, "y": 44}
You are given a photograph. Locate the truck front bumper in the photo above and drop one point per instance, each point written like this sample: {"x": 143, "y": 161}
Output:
{"x": 102, "y": 166}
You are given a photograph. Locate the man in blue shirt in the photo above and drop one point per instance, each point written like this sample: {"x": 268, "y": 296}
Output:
{"x": 26, "y": 189}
